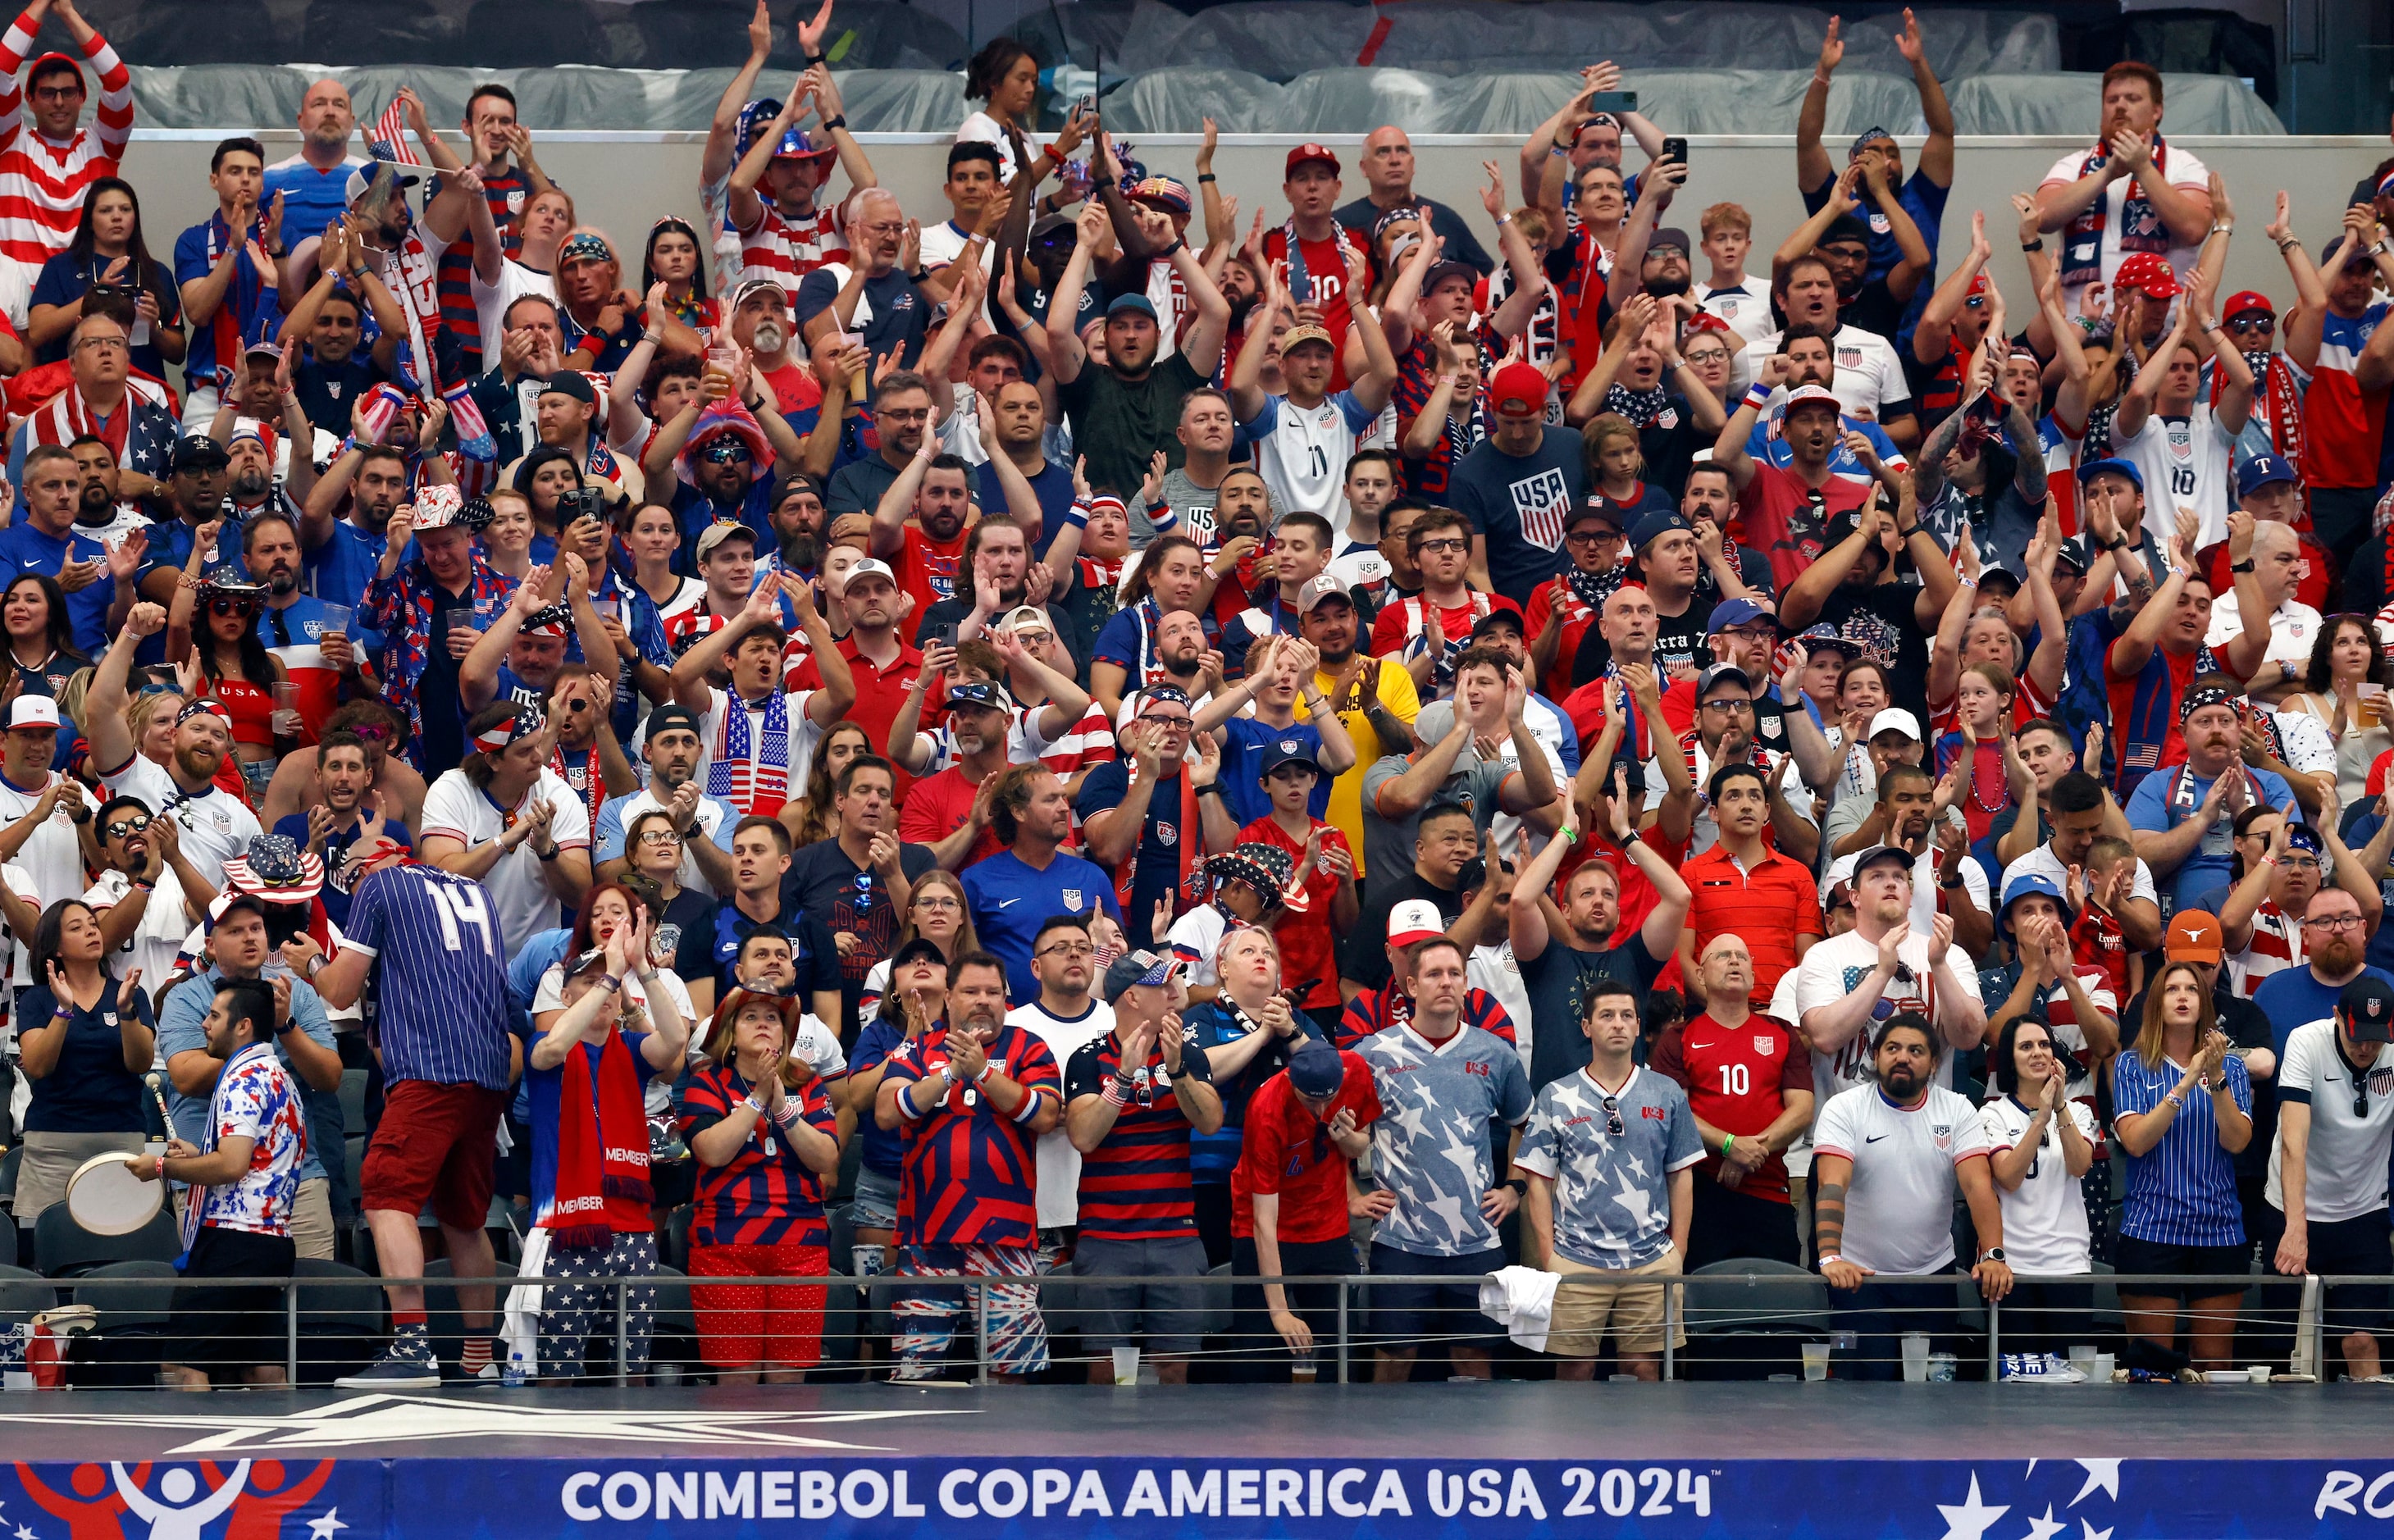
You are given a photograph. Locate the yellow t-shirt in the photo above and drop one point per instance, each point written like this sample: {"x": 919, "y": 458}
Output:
{"x": 1397, "y": 696}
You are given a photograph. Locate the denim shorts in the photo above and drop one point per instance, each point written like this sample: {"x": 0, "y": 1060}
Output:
{"x": 877, "y": 1201}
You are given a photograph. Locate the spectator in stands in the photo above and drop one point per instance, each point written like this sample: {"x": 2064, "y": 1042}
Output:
{"x": 1066, "y": 1017}
{"x": 1748, "y": 1083}
{"x": 914, "y": 991}
{"x": 758, "y": 753}
{"x": 185, "y": 783}
{"x": 1004, "y": 76}
{"x": 591, "y": 1186}
{"x": 47, "y": 544}
{"x": 84, "y": 1039}
{"x": 1387, "y": 166}
{"x": 48, "y": 166}
{"x": 2344, "y": 409}
{"x": 759, "y": 1121}
{"x": 445, "y": 1053}
{"x": 298, "y": 1031}
{"x": 1149, "y": 816}
{"x": 507, "y": 822}
{"x": 1031, "y": 879}
{"x": 1132, "y": 1100}
{"x": 1740, "y": 885}
{"x": 2040, "y": 1141}
{"x": 967, "y": 1204}
{"x": 2175, "y": 438}
{"x": 1882, "y": 967}
{"x": 2335, "y": 941}
{"x": 1447, "y": 1209}
{"x": 243, "y": 1176}
{"x": 1303, "y": 437}
{"x": 2184, "y": 1107}
{"x": 2334, "y": 690}
{"x": 1515, "y": 488}
{"x": 1609, "y": 1193}
{"x": 1889, "y": 1159}
{"x": 108, "y": 250}
{"x": 2131, "y": 194}
{"x": 700, "y": 823}
{"x": 2181, "y": 814}
{"x": 1248, "y": 1030}
{"x": 130, "y": 417}
{"x": 1124, "y": 411}
{"x": 314, "y": 183}
{"x": 1292, "y": 1195}
{"x": 787, "y": 229}
{"x": 228, "y": 269}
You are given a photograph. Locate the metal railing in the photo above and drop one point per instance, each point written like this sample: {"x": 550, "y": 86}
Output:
{"x": 1780, "y": 1311}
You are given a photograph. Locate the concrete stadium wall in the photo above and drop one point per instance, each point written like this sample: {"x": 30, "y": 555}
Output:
{"x": 624, "y": 181}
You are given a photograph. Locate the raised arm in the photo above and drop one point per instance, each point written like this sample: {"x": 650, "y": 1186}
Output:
{"x": 2303, "y": 328}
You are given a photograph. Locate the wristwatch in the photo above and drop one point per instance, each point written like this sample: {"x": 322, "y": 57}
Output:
{"x": 2246, "y": 565}
{"x": 1993, "y": 1253}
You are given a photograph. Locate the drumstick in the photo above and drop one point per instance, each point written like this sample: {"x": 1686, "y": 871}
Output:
{"x": 151, "y": 1081}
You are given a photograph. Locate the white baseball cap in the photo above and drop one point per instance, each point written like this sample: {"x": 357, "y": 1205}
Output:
{"x": 1414, "y": 920}
{"x": 869, "y": 567}
{"x": 32, "y": 711}
{"x": 1896, "y": 719}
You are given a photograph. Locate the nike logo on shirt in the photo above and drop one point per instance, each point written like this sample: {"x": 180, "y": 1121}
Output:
{"x": 1873, "y": 1138}
{"x": 1004, "y": 902}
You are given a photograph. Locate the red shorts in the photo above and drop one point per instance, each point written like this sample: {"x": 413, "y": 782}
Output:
{"x": 766, "y": 1326}
{"x": 435, "y": 1144}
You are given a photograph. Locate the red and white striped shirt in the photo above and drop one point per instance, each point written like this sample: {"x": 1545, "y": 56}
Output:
{"x": 1085, "y": 745}
{"x": 43, "y": 183}
{"x": 2277, "y": 944}
{"x": 790, "y": 249}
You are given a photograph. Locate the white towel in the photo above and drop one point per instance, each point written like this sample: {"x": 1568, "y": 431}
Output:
{"x": 1523, "y": 1301}
{"x": 520, "y": 1327}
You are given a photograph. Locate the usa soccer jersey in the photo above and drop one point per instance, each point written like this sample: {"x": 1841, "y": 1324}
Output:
{"x": 1431, "y": 1148}
{"x": 1135, "y": 1185}
{"x": 968, "y": 1176}
{"x": 765, "y": 1195}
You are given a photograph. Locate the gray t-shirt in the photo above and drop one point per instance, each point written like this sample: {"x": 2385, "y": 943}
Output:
{"x": 1388, "y": 843}
{"x": 1430, "y": 1145}
{"x": 1192, "y": 503}
{"x": 1613, "y": 1195}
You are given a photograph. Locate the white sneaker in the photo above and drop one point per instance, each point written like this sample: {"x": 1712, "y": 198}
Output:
{"x": 2042, "y": 1369}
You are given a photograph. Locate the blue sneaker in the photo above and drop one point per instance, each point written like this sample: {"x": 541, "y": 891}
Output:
{"x": 407, "y": 1366}
{"x": 2042, "y": 1369}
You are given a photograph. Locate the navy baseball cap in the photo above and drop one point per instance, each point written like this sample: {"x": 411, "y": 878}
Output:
{"x": 1316, "y": 1069}
{"x": 2072, "y": 553}
{"x": 1736, "y": 612}
{"x": 1122, "y": 304}
{"x": 2125, "y": 469}
{"x": 2260, "y": 471}
{"x": 1655, "y": 525}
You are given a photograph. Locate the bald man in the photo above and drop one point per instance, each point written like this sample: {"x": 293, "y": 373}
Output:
{"x": 2276, "y": 553}
{"x": 1388, "y": 178}
{"x": 315, "y": 183}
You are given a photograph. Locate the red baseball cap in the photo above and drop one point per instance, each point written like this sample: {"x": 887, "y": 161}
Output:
{"x": 2247, "y": 299}
{"x": 2148, "y": 270}
{"x": 1309, "y": 151}
{"x": 1705, "y": 321}
{"x": 1517, "y": 387}
{"x": 1980, "y": 284}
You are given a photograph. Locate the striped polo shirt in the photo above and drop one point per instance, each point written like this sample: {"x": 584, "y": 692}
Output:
{"x": 1767, "y": 908}
{"x": 439, "y": 975}
{"x": 765, "y": 1195}
{"x": 2276, "y": 944}
{"x": 2182, "y": 1191}
{"x": 1135, "y": 1185}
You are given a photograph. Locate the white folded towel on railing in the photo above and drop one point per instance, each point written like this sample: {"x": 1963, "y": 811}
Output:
{"x": 1523, "y": 1301}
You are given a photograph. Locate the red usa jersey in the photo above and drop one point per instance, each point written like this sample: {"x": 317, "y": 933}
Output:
{"x": 968, "y": 1177}
{"x": 790, "y": 248}
{"x": 1735, "y": 1077}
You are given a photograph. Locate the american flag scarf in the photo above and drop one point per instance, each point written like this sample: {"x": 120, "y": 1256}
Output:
{"x": 754, "y": 779}
{"x": 66, "y": 418}
{"x": 2140, "y": 228}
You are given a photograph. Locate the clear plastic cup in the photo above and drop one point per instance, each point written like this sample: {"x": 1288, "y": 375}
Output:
{"x": 337, "y": 618}
{"x": 1126, "y": 1365}
{"x": 1302, "y": 1371}
{"x": 1816, "y": 1360}
{"x": 1916, "y": 1358}
{"x": 286, "y": 721}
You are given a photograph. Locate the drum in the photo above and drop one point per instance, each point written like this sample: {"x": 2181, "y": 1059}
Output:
{"x": 106, "y": 1198}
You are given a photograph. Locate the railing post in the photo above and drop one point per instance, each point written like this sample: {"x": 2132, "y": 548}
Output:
{"x": 291, "y": 1331}
{"x": 623, "y": 1337}
{"x": 980, "y": 1330}
{"x": 1994, "y": 1339}
{"x": 2315, "y": 1294}
{"x": 1342, "y": 1329}
{"x": 1671, "y": 1311}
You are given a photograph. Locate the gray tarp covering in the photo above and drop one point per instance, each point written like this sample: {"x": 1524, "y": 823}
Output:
{"x": 1344, "y": 100}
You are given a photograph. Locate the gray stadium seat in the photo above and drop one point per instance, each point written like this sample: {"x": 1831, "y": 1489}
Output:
{"x": 23, "y": 1295}
{"x": 64, "y": 1249}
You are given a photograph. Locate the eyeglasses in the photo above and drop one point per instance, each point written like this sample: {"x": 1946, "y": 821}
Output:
{"x": 909, "y": 415}
{"x": 659, "y": 836}
{"x": 1446, "y": 544}
{"x": 123, "y": 826}
{"x": 941, "y": 901}
{"x": 1707, "y": 355}
{"x": 2298, "y": 864}
{"x": 104, "y": 343}
{"x": 232, "y": 606}
{"x": 2333, "y": 921}
{"x": 1172, "y": 719}
{"x": 1613, "y": 1124}
{"x": 1034, "y": 639}
{"x": 1593, "y": 537}
{"x": 1068, "y": 949}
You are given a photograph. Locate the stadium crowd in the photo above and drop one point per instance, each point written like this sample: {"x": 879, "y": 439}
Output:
{"x": 1085, "y": 727}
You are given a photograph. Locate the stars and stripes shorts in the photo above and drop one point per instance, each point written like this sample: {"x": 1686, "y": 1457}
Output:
{"x": 929, "y": 1317}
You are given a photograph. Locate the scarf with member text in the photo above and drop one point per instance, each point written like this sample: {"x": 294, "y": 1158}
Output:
{"x": 2140, "y": 227}
{"x": 603, "y": 1149}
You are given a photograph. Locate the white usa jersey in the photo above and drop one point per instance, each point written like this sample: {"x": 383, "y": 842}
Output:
{"x": 1302, "y": 453}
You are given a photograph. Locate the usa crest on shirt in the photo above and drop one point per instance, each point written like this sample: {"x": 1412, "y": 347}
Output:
{"x": 1540, "y": 502}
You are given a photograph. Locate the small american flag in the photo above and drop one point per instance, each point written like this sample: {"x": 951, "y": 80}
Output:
{"x": 390, "y": 131}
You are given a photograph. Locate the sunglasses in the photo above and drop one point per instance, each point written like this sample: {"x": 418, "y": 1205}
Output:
{"x": 155, "y": 687}
{"x": 123, "y": 826}
{"x": 232, "y": 606}
{"x": 1613, "y": 1124}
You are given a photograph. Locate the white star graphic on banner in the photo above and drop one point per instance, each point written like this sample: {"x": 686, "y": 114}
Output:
{"x": 358, "y": 1422}
{"x": 1970, "y": 1520}
{"x": 2091, "y": 1532}
{"x": 2045, "y": 1528}
{"x": 25, "y": 1534}
{"x": 321, "y": 1529}
{"x": 2099, "y": 1473}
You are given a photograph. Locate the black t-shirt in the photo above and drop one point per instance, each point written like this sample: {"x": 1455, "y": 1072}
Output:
{"x": 444, "y": 723}
{"x": 1118, "y": 423}
{"x": 709, "y": 949}
{"x": 1670, "y": 444}
{"x": 1365, "y": 959}
{"x": 1678, "y": 638}
{"x": 329, "y": 392}
{"x": 1873, "y": 309}
{"x": 1557, "y": 980}
{"x": 821, "y": 883}
{"x": 1879, "y": 620}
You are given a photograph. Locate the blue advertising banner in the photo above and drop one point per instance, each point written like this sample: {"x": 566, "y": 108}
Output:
{"x": 1131, "y": 1498}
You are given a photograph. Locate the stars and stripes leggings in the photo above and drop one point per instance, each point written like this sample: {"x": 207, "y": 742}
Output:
{"x": 575, "y": 1300}
{"x": 929, "y": 1318}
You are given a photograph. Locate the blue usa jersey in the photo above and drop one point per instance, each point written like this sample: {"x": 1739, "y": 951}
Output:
{"x": 1009, "y": 900}
{"x": 440, "y": 973}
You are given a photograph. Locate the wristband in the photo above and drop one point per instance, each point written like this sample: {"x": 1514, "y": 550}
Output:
{"x": 1728, "y": 1143}
{"x": 1206, "y": 177}
{"x": 787, "y": 1115}
{"x": 754, "y": 1105}
{"x": 1077, "y": 515}
{"x": 1520, "y": 1188}
{"x": 1756, "y": 396}
{"x": 1055, "y": 151}
{"x": 64, "y": 1013}
{"x": 1030, "y": 1108}
{"x": 1113, "y": 1095}
{"x": 986, "y": 1070}
{"x": 1209, "y": 789}
{"x": 609, "y": 981}
{"x": 839, "y": 122}
{"x": 1632, "y": 837}
{"x": 2032, "y": 245}
{"x": 813, "y": 59}
{"x": 1504, "y": 220}
{"x": 1833, "y": 1257}
{"x": 906, "y": 1101}
{"x": 550, "y": 854}
{"x": 1098, "y": 184}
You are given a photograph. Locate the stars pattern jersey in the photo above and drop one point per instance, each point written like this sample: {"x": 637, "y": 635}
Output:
{"x": 1431, "y": 1146}
{"x": 1611, "y": 1205}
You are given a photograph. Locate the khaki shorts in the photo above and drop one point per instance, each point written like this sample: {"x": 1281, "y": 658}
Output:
{"x": 311, "y": 1219}
{"x": 1634, "y": 1310}
{"x": 51, "y": 1160}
